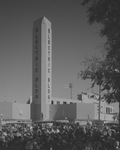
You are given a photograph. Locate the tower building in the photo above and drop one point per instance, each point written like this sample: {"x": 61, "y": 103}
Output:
{"x": 41, "y": 69}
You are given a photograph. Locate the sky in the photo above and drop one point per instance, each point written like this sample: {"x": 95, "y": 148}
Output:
{"x": 73, "y": 39}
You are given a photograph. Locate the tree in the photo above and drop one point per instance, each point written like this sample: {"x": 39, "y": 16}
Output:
{"x": 105, "y": 72}
{"x": 107, "y": 13}
{"x": 116, "y": 117}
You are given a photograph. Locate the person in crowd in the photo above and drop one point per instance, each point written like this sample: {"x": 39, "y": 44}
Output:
{"x": 65, "y": 137}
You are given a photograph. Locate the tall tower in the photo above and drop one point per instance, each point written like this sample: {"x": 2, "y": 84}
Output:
{"x": 42, "y": 69}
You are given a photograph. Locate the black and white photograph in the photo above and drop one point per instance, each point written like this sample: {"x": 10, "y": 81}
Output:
{"x": 59, "y": 74}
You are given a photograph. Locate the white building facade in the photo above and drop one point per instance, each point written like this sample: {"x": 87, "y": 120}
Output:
{"x": 86, "y": 108}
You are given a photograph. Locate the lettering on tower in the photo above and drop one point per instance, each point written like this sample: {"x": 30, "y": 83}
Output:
{"x": 36, "y": 58}
{"x": 49, "y": 64}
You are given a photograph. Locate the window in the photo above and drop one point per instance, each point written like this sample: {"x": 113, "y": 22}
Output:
{"x": 58, "y": 102}
{"x": 108, "y": 110}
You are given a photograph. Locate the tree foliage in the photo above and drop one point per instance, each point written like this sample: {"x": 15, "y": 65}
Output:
{"x": 105, "y": 72}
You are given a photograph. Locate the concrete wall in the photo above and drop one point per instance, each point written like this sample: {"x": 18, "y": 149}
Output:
{"x": 36, "y": 112}
{"x": 6, "y": 110}
{"x": 62, "y": 111}
{"x": 85, "y": 111}
{"x": 21, "y": 111}
{"x": 108, "y": 117}
{"x": 72, "y": 111}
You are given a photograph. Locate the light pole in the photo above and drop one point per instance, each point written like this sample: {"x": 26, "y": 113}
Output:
{"x": 70, "y": 86}
{"x": 117, "y": 71}
{"x": 99, "y": 105}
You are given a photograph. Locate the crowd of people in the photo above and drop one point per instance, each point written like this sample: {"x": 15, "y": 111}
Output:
{"x": 58, "y": 137}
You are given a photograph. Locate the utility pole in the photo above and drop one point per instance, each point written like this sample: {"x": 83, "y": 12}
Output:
{"x": 118, "y": 71}
{"x": 71, "y": 87}
{"x": 99, "y": 105}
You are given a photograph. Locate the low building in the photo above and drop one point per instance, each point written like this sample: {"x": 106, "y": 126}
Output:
{"x": 88, "y": 108}
{"x": 77, "y": 111}
{"x": 60, "y": 109}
